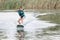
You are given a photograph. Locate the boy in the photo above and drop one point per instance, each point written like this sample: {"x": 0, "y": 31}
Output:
{"x": 21, "y": 14}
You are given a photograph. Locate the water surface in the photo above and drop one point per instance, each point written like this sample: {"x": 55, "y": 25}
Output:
{"x": 33, "y": 28}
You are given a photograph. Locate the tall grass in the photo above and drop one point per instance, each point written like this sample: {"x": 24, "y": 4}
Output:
{"x": 30, "y": 4}
{"x": 10, "y": 4}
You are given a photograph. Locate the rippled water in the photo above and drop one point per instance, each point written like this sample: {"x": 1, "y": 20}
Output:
{"x": 33, "y": 28}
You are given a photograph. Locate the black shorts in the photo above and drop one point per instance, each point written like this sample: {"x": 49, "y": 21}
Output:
{"x": 21, "y": 16}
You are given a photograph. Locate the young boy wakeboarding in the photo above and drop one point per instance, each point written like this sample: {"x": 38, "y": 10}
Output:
{"x": 21, "y": 14}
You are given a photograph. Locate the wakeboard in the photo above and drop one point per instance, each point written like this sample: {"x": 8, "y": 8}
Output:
{"x": 20, "y": 28}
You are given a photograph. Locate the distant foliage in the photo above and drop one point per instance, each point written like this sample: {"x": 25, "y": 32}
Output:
{"x": 30, "y": 4}
{"x": 10, "y": 4}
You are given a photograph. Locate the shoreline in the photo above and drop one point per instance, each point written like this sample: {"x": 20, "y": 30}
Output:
{"x": 33, "y": 10}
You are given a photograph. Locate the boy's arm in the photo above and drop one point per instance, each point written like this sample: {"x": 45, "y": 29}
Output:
{"x": 24, "y": 14}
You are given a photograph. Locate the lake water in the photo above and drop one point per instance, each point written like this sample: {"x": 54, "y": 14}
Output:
{"x": 33, "y": 28}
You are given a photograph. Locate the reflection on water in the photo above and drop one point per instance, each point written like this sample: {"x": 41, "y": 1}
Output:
{"x": 2, "y": 34}
{"x": 38, "y": 34}
{"x": 20, "y": 32}
{"x": 17, "y": 35}
{"x": 32, "y": 30}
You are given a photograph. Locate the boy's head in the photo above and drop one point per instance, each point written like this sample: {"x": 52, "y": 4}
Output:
{"x": 20, "y": 7}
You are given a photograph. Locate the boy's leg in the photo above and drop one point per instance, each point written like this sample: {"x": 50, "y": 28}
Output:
{"x": 19, "y": 21}
{"x": 22, "y": 20}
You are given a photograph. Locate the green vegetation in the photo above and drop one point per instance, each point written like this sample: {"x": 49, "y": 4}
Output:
{"x": 30, "y": 4}
{"x": 10, "y": 4}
